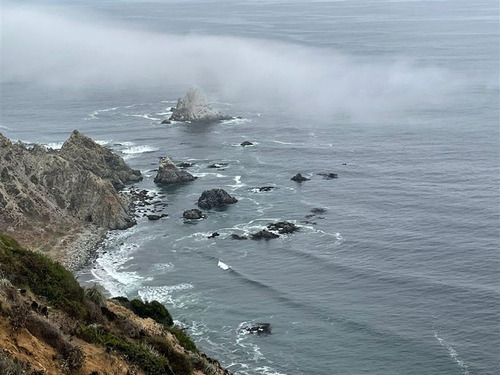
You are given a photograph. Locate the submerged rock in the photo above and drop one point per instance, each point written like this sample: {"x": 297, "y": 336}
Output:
{"x": 156, "y": 217}
{"x": 194, "y": 107}
{"x": 215, "y": 198}
{"x": 259, "y": 329}
{"x": 328, "y": 176}
{"x": 169, "y": 174}
{"x": 264, "y": 235}
{"x": 283, "y": 227}
{"x": 238, "y": 237}
{"x": 246, "y": 143}
{"x": 319, "y": 210}
{"x": 166, "y": 122}
{"x": 299, "y": 178}
{"x": 213, "y": 235}
{"x": 193, "y": 214}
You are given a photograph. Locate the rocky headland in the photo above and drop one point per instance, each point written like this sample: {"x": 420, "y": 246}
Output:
{"x": 63, "y": 201}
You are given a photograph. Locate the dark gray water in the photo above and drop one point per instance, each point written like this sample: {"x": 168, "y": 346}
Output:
{"x": 400, "y": 98}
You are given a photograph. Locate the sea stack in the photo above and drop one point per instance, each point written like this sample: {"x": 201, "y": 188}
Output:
{"x": 194, "y": 107}
{"x": 169, "y": 174}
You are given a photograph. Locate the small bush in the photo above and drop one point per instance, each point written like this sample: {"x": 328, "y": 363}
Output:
{"x": 19, "y": 316}
{"x": 11, "y": 366}
{"x": 94, "y": 294}
{"x": 73, "y": 356}
{"x": 154, "y": 310}
{"x": 184, "y": 339}
{"x": 180, "y": 363}
{"x": 137, "y": 354}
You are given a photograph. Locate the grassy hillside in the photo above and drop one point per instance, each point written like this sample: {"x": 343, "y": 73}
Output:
{"x": 49, "y": 324}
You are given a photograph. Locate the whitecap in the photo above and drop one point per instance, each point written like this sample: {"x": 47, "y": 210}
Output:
{"x": 135, "y": 150}
{"x": 165, "y": 294}
{"x": 145, "y": 116}
{"x": 237, "y": 183}
{"x": 283, "y": 143}
{"x": 5, "y": 127}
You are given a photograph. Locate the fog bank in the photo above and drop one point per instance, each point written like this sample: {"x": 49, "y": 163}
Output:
{"x": 75, "y": 52}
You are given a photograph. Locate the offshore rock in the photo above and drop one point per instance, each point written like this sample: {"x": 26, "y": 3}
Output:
{"x": 283, "y": 227}
{"x": 194, "y": 107}
{"x": 99, "y": 160}
{"x": 215, "y": 198}
{"x": 246, "y": 143}
{"x": 169, "y": 174}
{"x": 193, "y": 214}
{"x": 47, "y": 194}
{"x": 328, "y": 176}
{"x": 299, "y": 178}
{"x": 264, "y": 235}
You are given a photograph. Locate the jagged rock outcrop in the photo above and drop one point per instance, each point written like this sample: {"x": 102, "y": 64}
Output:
{"x": 299, "y": 178}
{"x": 46, "y": 193}
{"x": 99, "y": 160}
{"x": 215, "y": 198}
{"x": 194, "y": 107}
{"x": 169, "y": 174}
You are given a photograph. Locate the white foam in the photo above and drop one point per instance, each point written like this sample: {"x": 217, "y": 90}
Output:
{"x": 54, "y": 145}
{"x": 5, "y": 127}
{"x": 204, "y": 174}
{"x": 235, "y": 121}
{"x": 135, "y": 150}
{"x": 237, "y": 183}
{"x": 283, "y": 143}
{"x": 453, "y": 354}
{"x": 166, "y": 294}
{"x": 146, "y": 116}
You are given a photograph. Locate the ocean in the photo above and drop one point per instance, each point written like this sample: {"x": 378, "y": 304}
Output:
{"x": 400, "y": 272}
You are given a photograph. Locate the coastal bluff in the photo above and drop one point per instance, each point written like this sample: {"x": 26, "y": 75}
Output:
{"x": 50, "y": 198}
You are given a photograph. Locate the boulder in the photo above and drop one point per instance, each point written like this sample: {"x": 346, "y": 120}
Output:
{"x": 259, "y": 329}
{"x": 299, "y": 178}
{"x": 318, "y": 210}
{"x": 283, "y": 227}
{"x": 169, "y": 174}
{"x": 156, "y": 217}
{"x": 264, "y": 235}
{"x": 246, "y": 143}
{"x": 194, "y": 107}
{"x": 215, "y": 198}
{"x": 213, "y": 235}
{"x": 328, "y": 176}
{"x": 101, "y": 161}
{"x": 238, "y": 237}
{"x": 193, "y": 214}
{"x": 166, "y": 122}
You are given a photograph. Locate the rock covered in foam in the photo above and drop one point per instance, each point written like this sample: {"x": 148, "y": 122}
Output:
{"x": 194, "y": 107}
{"x": 169, "y": 174}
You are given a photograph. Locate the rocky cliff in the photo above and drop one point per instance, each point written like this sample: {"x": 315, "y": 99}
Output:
{"x": 47, "y": 194}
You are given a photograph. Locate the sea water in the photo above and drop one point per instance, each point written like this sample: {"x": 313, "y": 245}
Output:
{"x": 399, "y": 274}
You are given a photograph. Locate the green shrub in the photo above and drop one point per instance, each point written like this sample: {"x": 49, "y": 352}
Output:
{"x": 137, "y": 354}
{"x": 42, "y": 275}
{"x": 184, "y": 339}
{"x": 95, "y": 295}
{"x": 11, "y": 366}
{"x": 180, "y": 363}
{"x": 154, "y": 310}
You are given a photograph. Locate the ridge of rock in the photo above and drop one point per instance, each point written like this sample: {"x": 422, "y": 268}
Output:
{"x": 99, "y": 160}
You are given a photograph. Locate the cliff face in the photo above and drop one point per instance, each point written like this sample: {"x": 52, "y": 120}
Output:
{"x": 45, "y": 193}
